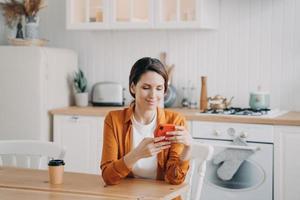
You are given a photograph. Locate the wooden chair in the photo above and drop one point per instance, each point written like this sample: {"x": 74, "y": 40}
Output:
{"x": 200, "y": 154}
{"x": 29, "y": 153}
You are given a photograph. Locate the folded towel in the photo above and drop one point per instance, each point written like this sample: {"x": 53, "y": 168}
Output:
{"x": 232, "y": 159}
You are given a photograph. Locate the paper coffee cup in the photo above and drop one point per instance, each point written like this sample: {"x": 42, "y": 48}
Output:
{"x": 56, "y": 171}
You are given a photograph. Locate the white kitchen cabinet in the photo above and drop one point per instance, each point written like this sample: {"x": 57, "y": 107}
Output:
{"x": 142, "y": 14}
{"x": 178, "y": 14}
{"x": 287, "y": 163}
{"x": 82, "y": 137}
{"x": 87, "y": 14}
{"x": 132, "y": 14}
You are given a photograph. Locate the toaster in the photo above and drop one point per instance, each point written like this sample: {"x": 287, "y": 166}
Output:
{"x": 107, "y": 94}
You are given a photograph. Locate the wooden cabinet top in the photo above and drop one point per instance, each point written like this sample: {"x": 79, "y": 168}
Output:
{"x": 291, "y": 118}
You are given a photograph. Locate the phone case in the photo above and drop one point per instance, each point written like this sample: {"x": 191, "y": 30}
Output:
{"x": 162, "y": 129}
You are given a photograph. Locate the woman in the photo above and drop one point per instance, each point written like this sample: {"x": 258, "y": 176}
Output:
{"x": 129, "y": 148}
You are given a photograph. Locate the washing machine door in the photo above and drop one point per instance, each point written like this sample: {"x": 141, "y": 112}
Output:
{"x": 252, "y": 180}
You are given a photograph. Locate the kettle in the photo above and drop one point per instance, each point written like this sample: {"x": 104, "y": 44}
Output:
{"x": 259, "y": 99}
{"x": 218, "y": 102}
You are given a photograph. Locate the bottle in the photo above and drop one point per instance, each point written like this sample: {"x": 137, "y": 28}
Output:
{"x": 185, "y": 101}
{"x": 99, "y": 15}
{"x": 203, "y": 94}
{"x": 193, "y": 99}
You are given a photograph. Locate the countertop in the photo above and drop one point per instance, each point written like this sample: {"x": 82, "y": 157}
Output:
{"x": 290, "y": 118}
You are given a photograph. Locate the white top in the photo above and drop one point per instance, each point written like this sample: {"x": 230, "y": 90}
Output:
{"x": 146, "y": 167}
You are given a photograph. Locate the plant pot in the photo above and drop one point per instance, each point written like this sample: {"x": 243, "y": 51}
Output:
{"x": 81, "y": 99}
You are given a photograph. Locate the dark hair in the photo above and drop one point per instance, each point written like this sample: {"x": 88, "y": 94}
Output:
{"x": 144, "y": 65}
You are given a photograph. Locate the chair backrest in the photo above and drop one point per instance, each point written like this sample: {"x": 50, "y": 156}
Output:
{"x": 29, "y": 153}
{"x": 200, "y": 154}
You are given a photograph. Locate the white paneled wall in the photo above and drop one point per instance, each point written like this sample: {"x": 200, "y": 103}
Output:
{"x": 257, "y": 43}
{"x": 2, "y": 30}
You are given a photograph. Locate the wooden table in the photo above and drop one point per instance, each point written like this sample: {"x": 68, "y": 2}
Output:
{"x": 15, "y": 194}
{"x": 30, "y": 181}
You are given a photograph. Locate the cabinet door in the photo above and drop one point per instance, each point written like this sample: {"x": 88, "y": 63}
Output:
{"x": 87, "y": 14}
{"x": 287, "y": 163}
{"x": 129, "y": 14}
{"x": 186, "y": 14}
{"x": 142, "y": 14}
{"x": 82, "y": 137}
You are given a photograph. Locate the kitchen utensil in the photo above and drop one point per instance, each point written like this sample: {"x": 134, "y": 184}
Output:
{"x": 259, "y": 100}
{"x": 107, "y": 94}
{"x": 218, "y": 102}
{"x": 193, "y": 99}
{"x": 170, "y": 96}
{"x": 185, "y": 100}
{"x": 203, "y": 96}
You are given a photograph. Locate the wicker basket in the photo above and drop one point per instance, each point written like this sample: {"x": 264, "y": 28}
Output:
{"x": 27, "y": 42}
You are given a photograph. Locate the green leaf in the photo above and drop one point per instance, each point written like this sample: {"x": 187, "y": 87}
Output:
{"x": 80, "y": 82}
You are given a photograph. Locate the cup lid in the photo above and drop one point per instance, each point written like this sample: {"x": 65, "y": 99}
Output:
{"x": 259, "y": 91}
{"x": 56, "y": 163}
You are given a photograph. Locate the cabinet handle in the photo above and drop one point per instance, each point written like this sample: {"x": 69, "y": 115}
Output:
{"x": 74, "y": 118}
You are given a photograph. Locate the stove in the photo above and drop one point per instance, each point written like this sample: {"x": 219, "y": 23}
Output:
{"x": 254, "y": 177}
{"x": 239, "y": 111}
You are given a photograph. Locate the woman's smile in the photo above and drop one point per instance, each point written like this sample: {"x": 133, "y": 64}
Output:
{"x": 151, "y": 102}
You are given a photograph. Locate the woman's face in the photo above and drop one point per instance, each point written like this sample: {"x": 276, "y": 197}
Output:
{"x": 149, "y": 90}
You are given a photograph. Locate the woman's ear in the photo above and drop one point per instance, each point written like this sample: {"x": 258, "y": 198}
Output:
{"x": 132, "y": 88}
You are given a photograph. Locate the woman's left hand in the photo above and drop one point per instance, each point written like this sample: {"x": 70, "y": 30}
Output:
{"x": 180, "y": 135}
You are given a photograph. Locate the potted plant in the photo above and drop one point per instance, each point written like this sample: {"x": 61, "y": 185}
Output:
{"x": 80, "y": 85}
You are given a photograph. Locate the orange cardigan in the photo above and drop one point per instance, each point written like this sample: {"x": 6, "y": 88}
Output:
{"x": 117, "y": 143}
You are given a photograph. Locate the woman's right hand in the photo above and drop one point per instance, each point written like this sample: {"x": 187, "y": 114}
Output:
{"x": 151, "y": 146}
{"x": 147, "y": 147}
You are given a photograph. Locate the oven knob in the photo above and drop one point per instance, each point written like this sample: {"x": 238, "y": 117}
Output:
{"x": 231, "y": 132}
{"x": 244, "y": 134}
{"x": 217, "y": 132}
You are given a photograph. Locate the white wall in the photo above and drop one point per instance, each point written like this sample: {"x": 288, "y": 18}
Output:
{"x": 258, "y": 43}
{"x": 2, "y": 31}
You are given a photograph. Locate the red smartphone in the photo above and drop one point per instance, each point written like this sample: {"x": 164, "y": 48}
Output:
{"x": 162, "y": 129}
